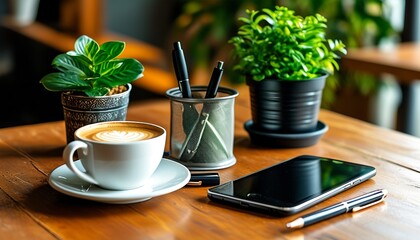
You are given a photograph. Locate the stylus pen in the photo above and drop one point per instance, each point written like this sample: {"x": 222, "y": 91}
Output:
{"x": 181, "y": 71}
{"x": 214, "y": 80}
{"x": 354, "y": 205}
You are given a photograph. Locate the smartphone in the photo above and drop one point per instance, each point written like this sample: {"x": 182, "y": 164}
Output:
{"x": 293, "y": 185}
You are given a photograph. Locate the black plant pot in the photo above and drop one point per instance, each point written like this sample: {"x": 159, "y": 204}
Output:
{"x": 285, "y": 108}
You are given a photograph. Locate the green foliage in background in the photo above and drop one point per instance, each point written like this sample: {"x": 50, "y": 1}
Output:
{"x": 358, "y": 23}
{"x": 276, "y": 43}
{"x": 205, "y": 27}
{"x": 92, "y": 68}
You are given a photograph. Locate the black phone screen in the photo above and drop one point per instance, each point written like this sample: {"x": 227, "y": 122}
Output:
{"x": 294, "y": 184}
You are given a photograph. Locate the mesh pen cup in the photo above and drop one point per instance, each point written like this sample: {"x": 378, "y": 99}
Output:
{"x": 202, "y": 129}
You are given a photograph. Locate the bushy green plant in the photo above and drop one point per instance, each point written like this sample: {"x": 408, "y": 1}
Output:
{"x": 279, "y": 44}
{"x": 92, "y": 68}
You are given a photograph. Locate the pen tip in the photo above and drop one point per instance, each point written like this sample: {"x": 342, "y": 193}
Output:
{"x": 298, "y": 223}
{"x": 219, "y": 65}
{"x": 177, "y": 45}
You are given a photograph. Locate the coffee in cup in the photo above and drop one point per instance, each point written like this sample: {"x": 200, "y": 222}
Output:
{"x": 117, "y": 155}
{"x": 119, "y": 132}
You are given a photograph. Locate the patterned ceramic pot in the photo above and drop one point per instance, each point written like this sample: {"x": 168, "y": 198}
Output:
{"x": 82, "y": 110}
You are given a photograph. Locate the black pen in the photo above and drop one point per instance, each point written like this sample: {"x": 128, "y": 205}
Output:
{"x": 204, "y": 179}
{"x": 181, "y": 71}
{"x": 354, "y": 205}
{"x": 214, "y": 80}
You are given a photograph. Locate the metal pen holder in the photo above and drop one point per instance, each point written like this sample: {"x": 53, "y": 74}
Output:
{"x": 202, "y": 129}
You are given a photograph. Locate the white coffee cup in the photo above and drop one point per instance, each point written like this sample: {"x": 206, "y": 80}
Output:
{"x": 117, "y": 155}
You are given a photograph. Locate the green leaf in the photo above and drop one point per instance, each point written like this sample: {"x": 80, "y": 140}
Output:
{"x": 119, "y": 72}
{"x": 113, "y": 48}
{"x": 107, "y": 68}
{"x": 64, "y": 82}
{"x": 86, "y": 46}
{"x": 109, "y": 51}
{"x": 72, "y": 64}
{"x": 265, "y": 18}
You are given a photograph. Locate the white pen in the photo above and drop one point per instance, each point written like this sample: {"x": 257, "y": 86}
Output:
{"x": 354, "y": 205}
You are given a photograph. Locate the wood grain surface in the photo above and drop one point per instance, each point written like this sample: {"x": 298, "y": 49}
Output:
{"x": 31, "y": 209}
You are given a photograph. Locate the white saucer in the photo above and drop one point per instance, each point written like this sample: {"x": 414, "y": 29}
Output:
{"x": 169, "y": 176}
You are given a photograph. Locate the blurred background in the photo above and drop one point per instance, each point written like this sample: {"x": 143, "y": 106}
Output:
{"x": 149, "y": 27}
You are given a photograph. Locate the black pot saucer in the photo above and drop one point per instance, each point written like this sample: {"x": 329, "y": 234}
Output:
{"x": 285, "y": 140}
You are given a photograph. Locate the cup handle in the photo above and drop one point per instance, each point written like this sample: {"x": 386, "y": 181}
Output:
{"x": 68, "y": 154}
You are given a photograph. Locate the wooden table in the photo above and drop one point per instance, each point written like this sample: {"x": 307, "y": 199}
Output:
{"x": 400, "y": 61}
{"x": 31, "y": 209}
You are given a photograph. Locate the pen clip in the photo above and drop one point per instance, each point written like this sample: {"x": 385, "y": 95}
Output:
{"x": 356, "y": 209}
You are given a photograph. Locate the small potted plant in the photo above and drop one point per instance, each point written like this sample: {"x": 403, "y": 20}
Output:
{"x": 286, "y": 59}
{"x": 94, "y": 83}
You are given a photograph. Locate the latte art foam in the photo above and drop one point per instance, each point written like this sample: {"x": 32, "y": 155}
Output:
{"x": 121, "y": 136}
{"x": 119, "y": 132}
